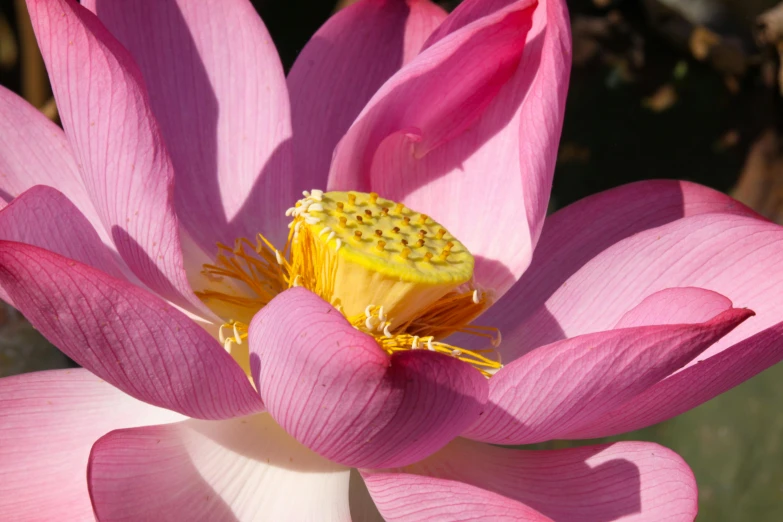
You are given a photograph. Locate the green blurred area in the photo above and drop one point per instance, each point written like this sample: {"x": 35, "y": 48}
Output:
{"x": 611, "y": 137}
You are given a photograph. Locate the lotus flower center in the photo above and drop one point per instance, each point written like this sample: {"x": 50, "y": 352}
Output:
{"x": 381, "y": 252}
{"x": 393, "y": 272}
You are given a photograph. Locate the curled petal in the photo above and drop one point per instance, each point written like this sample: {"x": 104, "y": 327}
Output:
{"x": 693, "y": 385}
{"x": 340, "y": 69}
{"x": 554, "y": 390}
{"x": 334, "y": 389}
{"x": 125, "y": 335}
{"x": 675, "y": 306}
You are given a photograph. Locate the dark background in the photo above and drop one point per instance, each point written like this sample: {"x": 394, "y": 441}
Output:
{"x": 685, "y": 89}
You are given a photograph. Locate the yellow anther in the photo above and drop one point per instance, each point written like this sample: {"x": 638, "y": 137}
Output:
{"x": 380, "y": 245}
{"x": 368, "y": 212}
{"x": 352, "y": 199}
{"x": 396, "y": 230}
{"x": 405, "y": 252}
{"x": 398, "y": 208}
{"x": 420, "y": 242}
{"x": 340, "y": 206}
{"x": 379, "y": 233}
{"x": 357, "y": 234}
{"x": 404, "y": 241}
{"x": 422, "y": 233}
{"x": 428, "y": 256}
{"x": 343, "y": 221}
{"x": 373, "y": 198}
{"x": 441, "y": 232}
{"x": 406, "y": 220}
{"x": 423, "y": 218}
{"x": 359, "y": 218}
{"x": 385, "y": 211}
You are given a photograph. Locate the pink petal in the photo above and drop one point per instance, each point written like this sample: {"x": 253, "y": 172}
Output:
{"x": 116, "y": 142}
{"x": 554, "y": 390}
{"x": 340, "y": 69}
{"x": 48, "y": 423}
{"x": 125, "y": 335}
{"x": 334, "y": 390}
{"x": 412, "y": 498}
{"x": 34, "y": 151}
{"x": 217, "y": 88}
{"x": 484, "y": 100}
{"x": 567, "y": 245}
{"x": 692, "y": 386}
{"x": 633, "y": 481}
{"x": 675, "y": 306}
{"x": 239, "y": 469}
{"x": 44, "y": 217}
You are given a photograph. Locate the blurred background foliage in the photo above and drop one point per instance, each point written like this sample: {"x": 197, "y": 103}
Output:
{"x": 685, "y": 89}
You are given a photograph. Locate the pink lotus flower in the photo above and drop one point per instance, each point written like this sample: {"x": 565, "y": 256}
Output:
{"x": 620, "y": 319}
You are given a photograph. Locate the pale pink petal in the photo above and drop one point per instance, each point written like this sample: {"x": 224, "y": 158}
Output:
{"x": 217, "y": 88}
{"x": 471, "y": 125}
{"x": 34, "y": 151}
{"x": 116, "y": 142}
{"x": 692, "y": 386}
{"x": 403, "y": 497}
{"x": 333, "y": 388}
{"x": 125, "y": 335}
{"x": 239, "y": 469}
{"x": 44, "y": 217}
{"x": 592, "y": 228}
{"x": 48, "y": 423}
{"x": 340, "y": 69}
{"x": 675, "y": 306}
{"x": 553, "y": 391}
{"x": 629, "y": 481}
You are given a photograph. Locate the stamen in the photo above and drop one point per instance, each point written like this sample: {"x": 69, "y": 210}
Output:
{"x": 323, "y": 231}
{"x": 221, "y": 335}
